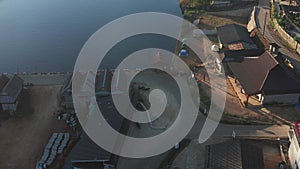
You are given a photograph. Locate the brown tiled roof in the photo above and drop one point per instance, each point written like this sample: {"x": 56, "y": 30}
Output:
{"x": 263, "y": 74}
{"x": 279, "y": 82}
{"x": 13, "y": 86}
{"x": 3, "y": 81}
{"x": 234, "y": 155}
{"x": 236, "y": 46}
{"x": 224, "y": 155}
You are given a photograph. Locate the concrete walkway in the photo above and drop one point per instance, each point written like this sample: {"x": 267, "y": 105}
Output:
{"x": 45, "y": 79}
{"x": 253, "y": 131}
{"x": 245, "y": 131}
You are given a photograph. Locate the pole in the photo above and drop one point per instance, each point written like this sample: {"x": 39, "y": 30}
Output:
{"x": 265, "y": 23}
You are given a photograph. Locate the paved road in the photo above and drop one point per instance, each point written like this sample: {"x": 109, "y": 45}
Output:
{"x": 244, "y": 131}
{"x": 223, "y": 131}
{"x": 254, "y": 131}
{"x": 263, "y": 9}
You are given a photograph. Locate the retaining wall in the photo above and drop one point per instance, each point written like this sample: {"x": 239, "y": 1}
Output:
{"x": 285, "y": 36}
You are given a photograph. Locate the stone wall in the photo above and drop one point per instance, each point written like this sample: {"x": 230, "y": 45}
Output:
{"x": 285, "y": 36}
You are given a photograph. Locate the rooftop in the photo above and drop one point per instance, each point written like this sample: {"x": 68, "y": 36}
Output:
{"x": 264, "y": 74}
{"x": 233, "y": 33}
{"x": 86, "y": 152}
{"x": 3, "y": 81}
{"x": 13, "y": 86}
{"x": 234, "y": 155}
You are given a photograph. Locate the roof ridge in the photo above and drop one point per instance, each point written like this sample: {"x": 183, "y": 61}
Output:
{"x": 267, "y": 75}
{"x": 273, "y": 57}
{"x": 277, "y": 65}
{"x": 269, "y": 70}
{"x": 264, "y": 81}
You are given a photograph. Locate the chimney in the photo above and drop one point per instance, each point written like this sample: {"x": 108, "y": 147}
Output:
{"x": 274, "y": 48}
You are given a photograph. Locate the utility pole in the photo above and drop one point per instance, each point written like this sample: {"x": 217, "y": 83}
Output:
{"x": 265, "y": 23}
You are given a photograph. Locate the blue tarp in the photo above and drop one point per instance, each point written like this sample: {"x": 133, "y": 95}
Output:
{"x": 183, "y": 52}
{"x": 298, "y": 106}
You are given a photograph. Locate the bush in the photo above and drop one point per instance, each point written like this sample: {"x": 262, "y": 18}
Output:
{"x": 273, "y": 11}
{"x": 279, "y": 20}
{"x": 279, "y": 15}
{"x": 272, "y": 23}
{"x": 191, "y": 13}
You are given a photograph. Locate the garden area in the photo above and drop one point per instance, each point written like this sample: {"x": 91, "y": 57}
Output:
{"x": 295, "y": 17}
{"x": 280, "y": 17}
{"x": 287, "y": 19}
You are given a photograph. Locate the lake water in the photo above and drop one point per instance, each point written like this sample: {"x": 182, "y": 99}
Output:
{"x": 46, "y": 36}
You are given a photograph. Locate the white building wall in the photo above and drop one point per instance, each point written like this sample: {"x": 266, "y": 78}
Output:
{"x": 294, "y": 153}
{"x": 283, "y": 98}
{"x": 10, "y": 107}
{"x": 5, "y": 99}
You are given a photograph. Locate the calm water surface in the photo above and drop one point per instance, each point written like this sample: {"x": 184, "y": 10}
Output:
{"x": 46, "y": 36}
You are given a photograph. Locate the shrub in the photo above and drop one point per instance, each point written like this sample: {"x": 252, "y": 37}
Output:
{"x": 272, "y": 23}
{"x": 273, "y": 11}
{"x": 279, "y": 20}
{"x": 190, "y": 13}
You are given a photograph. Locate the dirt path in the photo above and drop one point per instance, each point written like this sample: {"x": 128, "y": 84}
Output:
{"x": 23, "y": 138}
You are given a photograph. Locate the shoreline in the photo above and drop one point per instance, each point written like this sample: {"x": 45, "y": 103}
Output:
{"x": 51, "y": 78}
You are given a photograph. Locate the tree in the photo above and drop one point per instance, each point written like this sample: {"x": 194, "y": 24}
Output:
{"x": 194, "y": 3}
{"x": 202, "y": 2}
{"x": 186, "y": 3}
